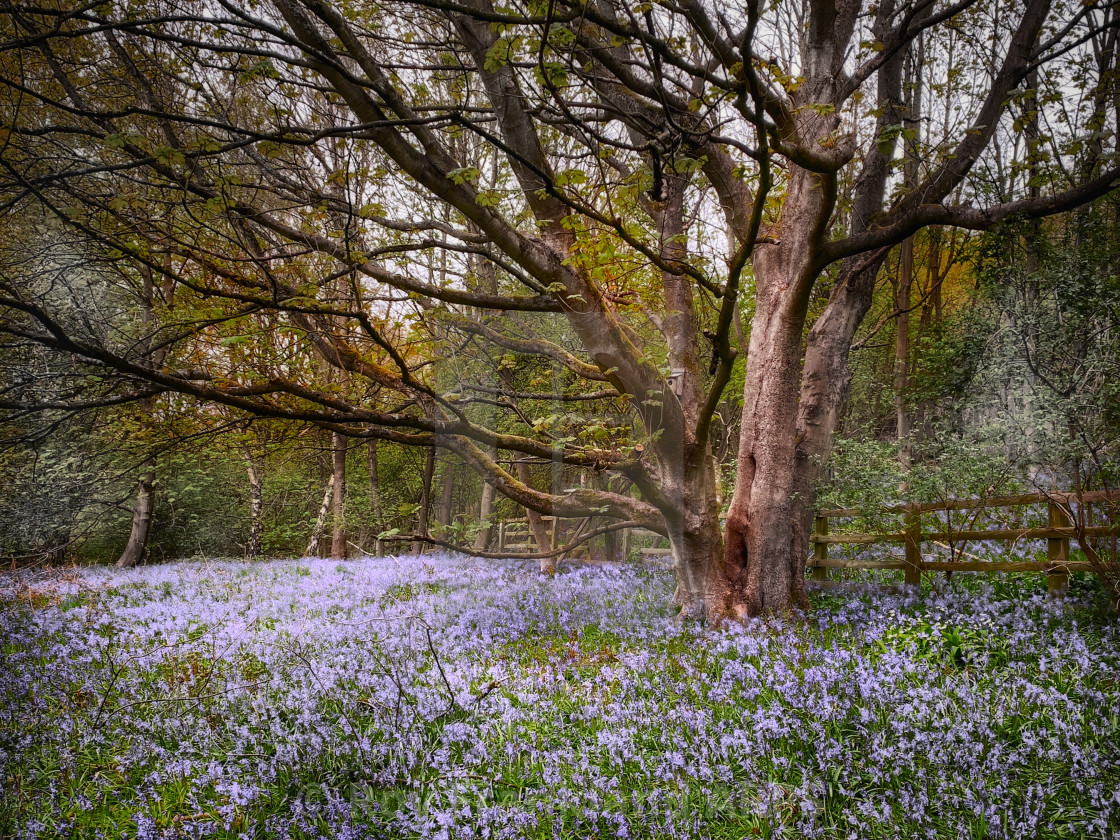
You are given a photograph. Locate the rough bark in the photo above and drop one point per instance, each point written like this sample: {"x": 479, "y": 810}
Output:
{"x": 792, "y": 397}
{"x": 763, "y": 570}
{"x": 703, "y": 581}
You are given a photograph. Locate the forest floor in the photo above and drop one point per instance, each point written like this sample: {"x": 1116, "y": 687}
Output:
{"x": 450, "y": 697}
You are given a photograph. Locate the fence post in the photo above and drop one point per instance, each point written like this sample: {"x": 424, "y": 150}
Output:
{"x": 1057, "y": 552}
{"x": 820, "y": 549}
{"x": 913, "y": 570}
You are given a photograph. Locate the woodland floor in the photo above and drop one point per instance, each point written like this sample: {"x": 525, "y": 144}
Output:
{"x": 449, "y": 697}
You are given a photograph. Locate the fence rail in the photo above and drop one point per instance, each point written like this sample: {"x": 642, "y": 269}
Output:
{"x": 1057, "y": 533}
{"x": 516, "y": 536}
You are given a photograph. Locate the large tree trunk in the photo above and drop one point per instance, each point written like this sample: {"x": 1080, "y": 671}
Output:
{"x": 256, "y": 508}
{"x": 141, "y": 521}
{"x": 338, "y": 480}
{"x": 790, "y": 414}
{"x": 764, "y": 568}
{"x": 688, "y": 483}
{"x": 792, "y": 400}
{"x": 696, "y": 539}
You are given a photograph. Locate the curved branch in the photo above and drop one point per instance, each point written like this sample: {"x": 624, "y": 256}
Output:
{"x": 971, "y": 218}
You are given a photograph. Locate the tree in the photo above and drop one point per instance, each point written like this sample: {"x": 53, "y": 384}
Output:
{"x": 607, "y": 188}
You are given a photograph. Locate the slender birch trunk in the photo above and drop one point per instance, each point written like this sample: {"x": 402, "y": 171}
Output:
{"x": 338, "y": 482}
{"x": 320, "y": 521}
{"x": 256, "y": 508}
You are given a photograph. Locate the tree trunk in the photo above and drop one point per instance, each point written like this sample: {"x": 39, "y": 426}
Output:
{"x": 762, "y": 559}
{"x": 702, "y": 577}
{"x": 256, "y": 509}
{"x": 764, "y": 567}
{"x": 792, "y": 399}
{"x": 447, "y": 495}
{"x": 56, "y": 547}
{"x": 610, "y": 545}
{"x": 145, "y": 500}
{"x": 537, "y": 525}
{"x": 371, "y": 455}
{"x": 320, "y": 521}
{"x": 902, "y": 351}
{"x": 485, "y": 509}
{"x": 374, "y": 487}
{"x": 914, "y": 64}
{"x": 338, "y": 481}
{"x": 141, "y": 521}
{"x": 425, "y": 500}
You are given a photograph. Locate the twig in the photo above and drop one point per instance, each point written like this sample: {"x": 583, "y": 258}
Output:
{"x": 443, "y": 676}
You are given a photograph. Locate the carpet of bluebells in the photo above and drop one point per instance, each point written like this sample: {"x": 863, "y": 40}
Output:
{"x": 450, "y": 698}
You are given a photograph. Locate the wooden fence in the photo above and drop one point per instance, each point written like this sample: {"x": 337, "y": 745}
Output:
{"x": 516, "y": 537}
{"x": 1057, "y": 533}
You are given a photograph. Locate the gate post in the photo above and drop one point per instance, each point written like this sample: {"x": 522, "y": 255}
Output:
{"x": 820, "y": 549}
{"x": 1057, "y": 553}
{"x": 913, "y": 546}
